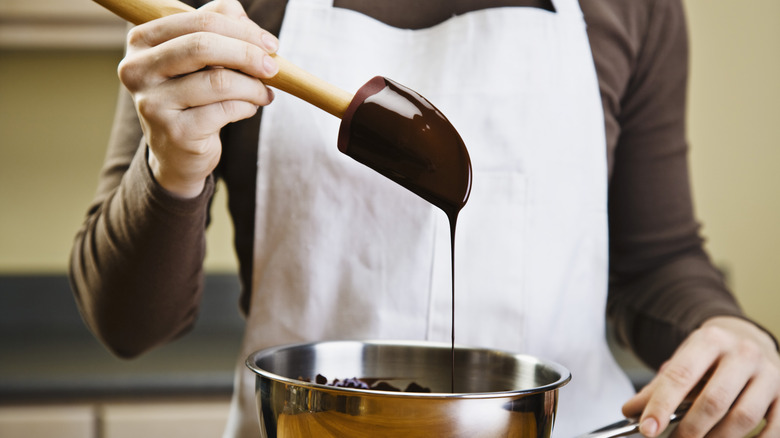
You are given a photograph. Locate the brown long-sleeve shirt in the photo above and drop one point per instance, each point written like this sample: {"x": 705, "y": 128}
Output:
{"x": 137, "y": 261}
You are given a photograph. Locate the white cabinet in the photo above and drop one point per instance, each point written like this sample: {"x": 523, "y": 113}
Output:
{"x": 72, "y": 24}
{"x": 65, "y": 421}
{"x": 164, "y": 420}
{"x": 132, "y": 419}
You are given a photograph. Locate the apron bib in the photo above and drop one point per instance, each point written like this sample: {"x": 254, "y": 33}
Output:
{"x": 341, "y": 252}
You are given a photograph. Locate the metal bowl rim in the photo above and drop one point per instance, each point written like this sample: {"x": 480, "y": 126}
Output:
{"x": 560, "y": 369}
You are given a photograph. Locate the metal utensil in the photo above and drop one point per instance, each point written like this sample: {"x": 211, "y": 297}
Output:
{"x": 630, "y": 426}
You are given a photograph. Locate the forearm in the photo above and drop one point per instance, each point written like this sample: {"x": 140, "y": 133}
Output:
{"x": 136, "y": 263}
{"x": 654, "y": 312}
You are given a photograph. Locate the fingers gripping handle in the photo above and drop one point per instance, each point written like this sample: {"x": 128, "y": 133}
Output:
{"x": 290, "y": 78}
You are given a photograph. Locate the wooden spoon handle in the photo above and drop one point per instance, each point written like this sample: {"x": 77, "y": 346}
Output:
{"x": 290, "y": 78}
{"x": 304, "y": 85}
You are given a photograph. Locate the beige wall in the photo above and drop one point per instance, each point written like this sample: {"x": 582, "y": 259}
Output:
{"x": 55, "y": 115}
{"x": 734, "y": 120}
{"x": 56, "y": 108}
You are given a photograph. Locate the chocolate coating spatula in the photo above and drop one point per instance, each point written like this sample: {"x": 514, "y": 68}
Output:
{"x": 386, "y": 126}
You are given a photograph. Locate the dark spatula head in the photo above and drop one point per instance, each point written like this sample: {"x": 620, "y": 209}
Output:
{"x": 400, "y": 134}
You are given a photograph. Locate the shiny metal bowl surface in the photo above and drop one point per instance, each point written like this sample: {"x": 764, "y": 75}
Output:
{"x": 496, "y": 393}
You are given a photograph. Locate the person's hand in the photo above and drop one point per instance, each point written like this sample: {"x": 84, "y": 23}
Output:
{"x": 190, "y": 74}
{"x": 730, "y": 369}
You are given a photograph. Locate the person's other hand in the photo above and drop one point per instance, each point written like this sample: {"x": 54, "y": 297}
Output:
{"x": 730, "y": 369}
{"x": 190, "y": 74}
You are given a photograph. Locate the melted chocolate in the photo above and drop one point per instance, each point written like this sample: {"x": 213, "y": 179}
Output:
{"x": 400, "y": 134}
{"x": 374, "y": 384}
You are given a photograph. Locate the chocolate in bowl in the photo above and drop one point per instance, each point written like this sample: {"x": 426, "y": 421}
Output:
{"x": 373, "y": 383}
{"x": 496, "y": 393}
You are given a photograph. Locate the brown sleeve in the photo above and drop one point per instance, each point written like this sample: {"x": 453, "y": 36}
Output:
{"x": 136, "y": 263}
{"x": 662, "y": 283}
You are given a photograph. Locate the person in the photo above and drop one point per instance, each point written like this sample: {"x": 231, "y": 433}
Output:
{"x": 580, "y": 209}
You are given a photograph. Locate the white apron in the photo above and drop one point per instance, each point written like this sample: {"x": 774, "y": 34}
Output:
{"x": 341, "y": 252}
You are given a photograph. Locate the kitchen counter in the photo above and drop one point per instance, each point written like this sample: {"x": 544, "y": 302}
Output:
{"x": 47, "y": 353}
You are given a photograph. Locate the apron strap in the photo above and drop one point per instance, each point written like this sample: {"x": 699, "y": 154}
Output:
{"x": 568, "y": 8}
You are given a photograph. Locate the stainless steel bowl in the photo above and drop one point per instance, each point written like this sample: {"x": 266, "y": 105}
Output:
{"x": 496, "y": 393}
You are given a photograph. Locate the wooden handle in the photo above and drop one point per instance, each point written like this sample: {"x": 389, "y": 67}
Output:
{"x": 304, "y": 85}
{"x": 290, "y": 78}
